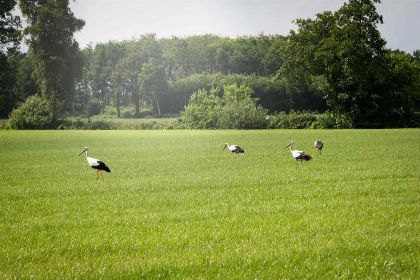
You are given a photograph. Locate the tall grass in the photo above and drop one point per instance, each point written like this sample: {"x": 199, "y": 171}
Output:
{"x": 176, "y": 206}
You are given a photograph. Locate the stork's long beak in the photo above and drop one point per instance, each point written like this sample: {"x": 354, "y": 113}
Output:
{"x": 82, "y": 152}
{"x": 224, "y": 147}
{"x": 287, "y": 145}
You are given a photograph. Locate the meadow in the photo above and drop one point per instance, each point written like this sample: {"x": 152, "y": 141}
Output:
{"x": 176, "y": 206}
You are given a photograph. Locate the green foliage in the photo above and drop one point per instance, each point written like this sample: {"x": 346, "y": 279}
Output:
{"x": 203, "y": 110}
{"x": 176, "y": 206}
{"x": 33, "y": 114}
{"x": 139, "y": 72}
{"x": 271, "y": 94}
{"x": 9, "y": 26}
{"x": 109, "y": 112}
{"x": 9, "y": 40}
{"x": 306, "y": 119}
{"x": 342, "y": 56}
{"x": 237, "y": 109}
{"x": 105, "y": 123}
{"x": 402, "y": 88}
{"x": 292, "y": 120}
{"x": 333, "y": 120}
{"x": 152, "y": 84}
{"x": 93, "y": 107}
{"x": 16, "y": 82}
{"x": 240, "y": 110}
{"x": 52, "y": 48}
{"x": 4, "y": 124}
{"x": 85, "y": 124}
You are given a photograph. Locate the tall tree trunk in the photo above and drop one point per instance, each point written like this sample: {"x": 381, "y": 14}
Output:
{"x": 117, "y": 104}
{"x": 157, "y": 105}
{"x": 136, "y": 105}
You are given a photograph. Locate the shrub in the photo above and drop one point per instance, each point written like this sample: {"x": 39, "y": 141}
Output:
{"x": 293, "y": 120}
{"x": 202, "y": 110}
{"x": 93, "y": 108}
{"x": 110, "y": 111}
{"x": 127, "y": 112}
{"x": 333, "y": 120}
{"x": 4, "y": 124}
{"x": 240, "y": 110}
{"x": 235, "y": 110}
{"x": 35, "y": 113}
{"x": 98, "y": 124}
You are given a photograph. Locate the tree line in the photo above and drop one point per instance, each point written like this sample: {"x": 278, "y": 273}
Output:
{"x": 336, "y": 62}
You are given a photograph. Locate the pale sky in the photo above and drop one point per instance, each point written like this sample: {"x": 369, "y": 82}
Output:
{"x": 127, "y": 19}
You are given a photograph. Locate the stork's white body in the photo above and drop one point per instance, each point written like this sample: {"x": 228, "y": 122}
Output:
{"x": 298, "y": 155}
{"x": 95, "y": 163}
{"x": 234, "y": 149}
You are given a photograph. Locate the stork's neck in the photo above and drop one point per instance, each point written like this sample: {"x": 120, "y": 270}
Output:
{"x": 86, "y": 153}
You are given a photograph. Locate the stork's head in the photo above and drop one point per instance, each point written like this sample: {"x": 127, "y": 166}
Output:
{"x": 291, "y": 143}
{"x": 84, "y": 150}
{"x": 226, "y": 144}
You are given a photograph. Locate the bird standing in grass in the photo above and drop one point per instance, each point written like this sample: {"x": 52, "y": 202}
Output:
{"x": 95, "y": 163}
{"x": 234, "y": 149}
{"x": 318, "y": 145}
{"x": 298, "y": 155}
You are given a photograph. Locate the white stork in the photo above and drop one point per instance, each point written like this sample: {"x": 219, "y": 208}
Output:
{"x": 298, "y": 155}
{"x": 95, "y": 163}
{"x": 318, "y": 145}
{"x": 234, "y": 149}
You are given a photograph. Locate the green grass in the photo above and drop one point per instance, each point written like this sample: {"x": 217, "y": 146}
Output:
{"x": 177, "y": 206}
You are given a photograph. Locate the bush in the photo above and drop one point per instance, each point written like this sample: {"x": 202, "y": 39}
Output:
{"x": 4, "y": 124}
{"x": 236, "y": 110}
{"x": 127, "y": 112}
{"x": 93, "y": 108}
{"x": 33, "y": 114}
{"x": 333, "y": 120}
{"x": 202, "y": 110}
{"x": 293, "y": 120}
{"x": 110, "y": 112}
{"x": 100, "y": 125}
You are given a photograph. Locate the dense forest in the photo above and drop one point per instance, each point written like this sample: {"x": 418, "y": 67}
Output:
{"x": 335, "y": 63}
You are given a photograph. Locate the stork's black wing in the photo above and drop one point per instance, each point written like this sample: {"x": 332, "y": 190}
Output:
{"x": 102, "y": 166}
{"x": 239, "y": 150}
{"x": 304, "y": 157}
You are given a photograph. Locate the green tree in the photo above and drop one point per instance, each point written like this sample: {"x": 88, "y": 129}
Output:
{"x": 203, "y": 110}
{"x": 9, "y": 39}
{"x": 99, "y": 66}
{"x": 402, "y": 86}
{"x": 152, "y": 84}
{"x": 35, "y": 113}
{"x": 9, "y": 26}
{"x": 342, "y": 56}
{"x": 240, "y": 110}
{"x": 52, "y": 47}
{"x": 235, "y": 110}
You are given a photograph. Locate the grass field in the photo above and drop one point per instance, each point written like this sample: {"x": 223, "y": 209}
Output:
{"x": 177, "y": 206}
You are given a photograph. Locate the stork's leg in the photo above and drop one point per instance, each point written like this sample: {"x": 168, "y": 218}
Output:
{"x": 97, "y": 175}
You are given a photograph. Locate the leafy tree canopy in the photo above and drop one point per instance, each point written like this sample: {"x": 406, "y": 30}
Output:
{"x": 52, "y": 47}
